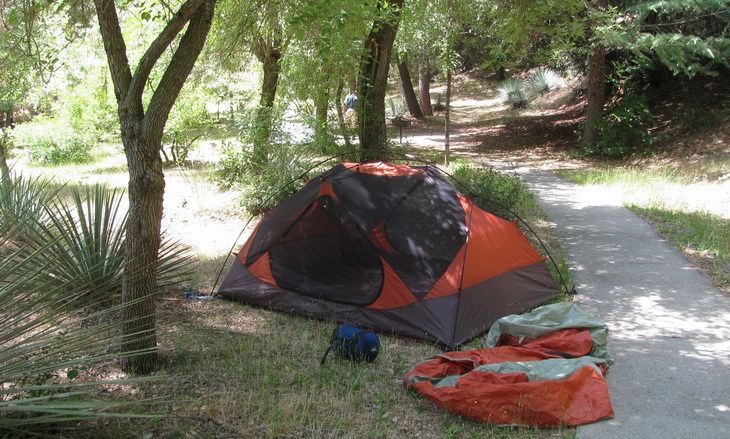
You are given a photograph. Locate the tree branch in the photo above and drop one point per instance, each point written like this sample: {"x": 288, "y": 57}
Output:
{"x": 180, "y": 66}
{"x": 161, "y": 43}
{"x": 114, "y": 46}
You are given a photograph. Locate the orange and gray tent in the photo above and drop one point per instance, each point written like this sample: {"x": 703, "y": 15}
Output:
{"x": 392, "y": 248}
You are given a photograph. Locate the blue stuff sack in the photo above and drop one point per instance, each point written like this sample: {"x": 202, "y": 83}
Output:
{"x": 353, "y": 343}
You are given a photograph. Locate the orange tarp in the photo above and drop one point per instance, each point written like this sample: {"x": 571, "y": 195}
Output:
{"x": 456, "y": 382}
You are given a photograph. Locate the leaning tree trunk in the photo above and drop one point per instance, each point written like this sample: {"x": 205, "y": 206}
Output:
{"x": 424, "y": 90}
{"x": 141, "y": 137}
{"x": 372, "y": 84}
{"x": 596, "y": 95}
{"x": 408, "y": 94}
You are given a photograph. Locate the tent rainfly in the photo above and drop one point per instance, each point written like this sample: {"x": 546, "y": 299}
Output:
{"x": 392, "y": 248}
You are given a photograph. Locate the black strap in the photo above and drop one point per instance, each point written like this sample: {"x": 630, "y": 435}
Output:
{"x": 324, "y": 357}
{"x": 355, "y": 338}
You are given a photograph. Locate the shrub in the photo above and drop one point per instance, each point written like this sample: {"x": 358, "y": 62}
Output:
{"x": 23, "y": 205}
{"x": 544, "y": 80}
{"x": 624, "y": 129}
{"x": 512, "y": 92}
{"x": 49, "y": 142}
{"x": 494, "y": 191}
{"x": 186, "y": 124}
{"x": 277, "y": 180}
{"x": 80, "y": 241}
{"x": 44, "y": 347}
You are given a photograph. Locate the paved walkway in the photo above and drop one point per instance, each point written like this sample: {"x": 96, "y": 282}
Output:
{"x": 669, "y": 327}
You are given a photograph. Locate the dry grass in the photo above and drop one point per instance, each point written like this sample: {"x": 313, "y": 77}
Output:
{"x": 234, "y": 371}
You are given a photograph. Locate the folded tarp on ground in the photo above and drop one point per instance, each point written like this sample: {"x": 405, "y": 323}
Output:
{"x": 544, "y": 368}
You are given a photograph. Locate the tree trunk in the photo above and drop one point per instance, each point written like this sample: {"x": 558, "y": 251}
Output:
{"x": 321, "y": 105}
{"x": 424, "y": 90}
{"x": 4, "y": 149}
{"x": 408, "y": 94}
{"x": 4, "y": 169}
{"x": 141, "y": 137}
{"x": 596, "y": 95}
{"x": 270, "y": 55}
{"x": 373, "y": 80}
{"x": 447, "y": 145}
{"x": 146, "y": 190}
{"x": 346, "y": 131}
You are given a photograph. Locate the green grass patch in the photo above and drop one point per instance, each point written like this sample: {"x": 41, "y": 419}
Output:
{"x": 703, "y": 236}
{"x": 671, "y": 199}
{"x": 239, "y": 371}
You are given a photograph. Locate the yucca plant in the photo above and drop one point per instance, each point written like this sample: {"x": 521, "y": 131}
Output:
{"x": 86, "y": 230}
{"x": 22, "y": 204}
{"x": 43, "y": 347}
{"x": 512, "y": 92}
{"x": 544, "y": 80}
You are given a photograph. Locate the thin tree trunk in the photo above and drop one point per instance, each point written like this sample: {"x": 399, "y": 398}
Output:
{"x": 373, "y": 80}
{"x": 596, "y": 95}
{"x": 408, "y": 93}
{"x": 9, "y": 122}
{"x": 270, "y": 56}
{"x": 344, "y": 129}
{"x": 447, "y": 145}
{"x": 321, "y": 104}
{"x": 4, "y": 168}
{"x": 424, "y": 90}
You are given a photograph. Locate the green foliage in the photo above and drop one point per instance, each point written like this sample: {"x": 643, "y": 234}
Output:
{"x": 512, "y": 92}
{"x": 23, "y": 205}
{"x": 187, "y": 123}
{"x": 624, "y": 129}
{"x": 88, "y": 111}
{"x": 494, "y": 191}
{"x": 233, "y": 163}
{"x": 267, "y": 185}
{"x": 688, "y": 37}
{"x": 45, "y": 349}
{"x": 79, "y": 239}
{"x": 276, "y": 182}
{"x": 53, "y": 142}
{"x": 544, "y": 80}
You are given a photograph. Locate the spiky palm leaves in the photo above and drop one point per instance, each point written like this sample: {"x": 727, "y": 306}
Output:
{"x": 518, "y": 94}
{"x": 61, "y": 261}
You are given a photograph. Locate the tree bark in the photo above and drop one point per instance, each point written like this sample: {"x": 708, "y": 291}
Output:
{"x": 372, "y": 84}
{"x": 142, "y": 140}
{"x": 4, "y": 168}
{"x": 408, "y": 93}
{"x": 321, "y": 105}
{"x": 424, "y": 90}
{"x": 447, "y": 134}
{"x": 344, "y": 129}
{"x": 596, "y": 95}
{"x": 269, "y": 53}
